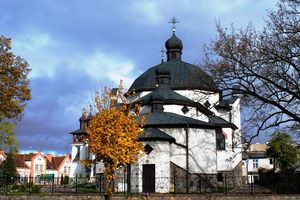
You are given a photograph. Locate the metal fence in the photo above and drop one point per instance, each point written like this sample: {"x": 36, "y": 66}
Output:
{"x": 200, "y": 184}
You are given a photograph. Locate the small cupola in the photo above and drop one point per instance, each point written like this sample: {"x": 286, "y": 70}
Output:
{"x": 174, "y": 48}
{"x": 83, "y": 120}
{"x": 162, "y": 76}
{"x": 157, "y": 102}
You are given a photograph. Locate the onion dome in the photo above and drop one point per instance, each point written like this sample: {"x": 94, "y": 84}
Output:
{"x": 162, "y": 76}
{"x": 174, "y": 48}
{"x": 174, "y": 43}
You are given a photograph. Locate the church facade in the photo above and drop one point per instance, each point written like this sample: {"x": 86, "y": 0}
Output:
{"x": 190, "y": 128}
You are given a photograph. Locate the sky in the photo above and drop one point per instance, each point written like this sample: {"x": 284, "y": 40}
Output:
{"x": 75, "y": 47}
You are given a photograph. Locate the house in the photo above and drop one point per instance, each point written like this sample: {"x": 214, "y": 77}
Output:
{"x": 36, "y": 165}
{"x": 254, "y": 159}
{"x": 190, "y": 129}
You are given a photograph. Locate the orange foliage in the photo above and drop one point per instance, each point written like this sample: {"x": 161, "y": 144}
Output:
{"x": 113, "y": 133}
{"x": 14, "y": 85}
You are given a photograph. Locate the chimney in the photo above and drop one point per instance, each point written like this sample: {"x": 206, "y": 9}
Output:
{"x": 49, "y": 157}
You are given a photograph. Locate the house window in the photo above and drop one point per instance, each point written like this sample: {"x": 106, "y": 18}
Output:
{"x": 69, "y": 169}
{"x": 271, "y": 161}
{"x": 255, "y": 163}
{"x": 220, "y": 140}
{"x": 41, "y": 168}
{"x": 65, "y": 169}
{"x": 36, "y": 168}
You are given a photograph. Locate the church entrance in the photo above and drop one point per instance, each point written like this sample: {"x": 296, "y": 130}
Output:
{"x": 148, "y": 178}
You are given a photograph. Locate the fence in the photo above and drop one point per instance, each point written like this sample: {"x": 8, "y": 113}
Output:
{"x": 200, "y": 184}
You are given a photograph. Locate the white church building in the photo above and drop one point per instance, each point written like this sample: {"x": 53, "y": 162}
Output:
{"x": 190, "y": 129}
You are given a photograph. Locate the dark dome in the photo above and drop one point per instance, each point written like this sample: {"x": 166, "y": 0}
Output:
{"x": 162, "y": 70}
{"x": 184, "y": 76}
{"x": 174, "y": 43}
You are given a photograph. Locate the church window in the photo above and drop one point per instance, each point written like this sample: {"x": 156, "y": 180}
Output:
{"x": 184, "y": 109}
{"x": 148, "y": 149}
{"x": 207, "y": 104}
{"x": 220, "y": 140}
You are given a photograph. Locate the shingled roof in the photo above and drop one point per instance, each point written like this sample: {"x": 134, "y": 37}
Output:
{"x": 184, "y": 76}
{"x": 167, "y": 119}
{"x": 153, "y": 134}
{"x": 79, "y": 131}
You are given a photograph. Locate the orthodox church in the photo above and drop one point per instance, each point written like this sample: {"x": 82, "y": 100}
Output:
{"x": 190, "y": 129}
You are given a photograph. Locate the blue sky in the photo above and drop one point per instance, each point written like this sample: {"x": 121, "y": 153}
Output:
{"x": 76, "y": 47}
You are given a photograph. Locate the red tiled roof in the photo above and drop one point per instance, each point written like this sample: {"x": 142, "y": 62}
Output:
{"x": 22, "y": 158}
{"x": 54, "y": 164}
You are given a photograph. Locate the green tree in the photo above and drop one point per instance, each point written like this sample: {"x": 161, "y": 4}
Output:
{"x": 7, "y": 136}
{"x": 15, "y": 92}
{"x": 263, "y": 66}
{"x": 283, "y": 150}
{"x": 9, "y": 165}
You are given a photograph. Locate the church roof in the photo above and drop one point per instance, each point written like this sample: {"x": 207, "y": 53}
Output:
{"x": 153, "y": 134}
{"x": 167, "y": 119}
{"x": 214, "y": 119}
{"x": 184, "y": 76}
{"x": 79, "y": 131}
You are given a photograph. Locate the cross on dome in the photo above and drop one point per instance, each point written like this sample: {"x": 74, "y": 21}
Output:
{"x": 162, "y": 51}
{"x": 174, "y": 21}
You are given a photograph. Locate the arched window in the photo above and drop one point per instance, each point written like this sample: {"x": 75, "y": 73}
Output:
{"x": 220, "y": 139}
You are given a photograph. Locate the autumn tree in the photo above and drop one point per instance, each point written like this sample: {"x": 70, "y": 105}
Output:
{"x": 263, "y": 66}
{"x": 14, "y": 87}
{"x": 14, "y": 83}
{"x": 283, "y": 150}
{"x": 113, "y": 134}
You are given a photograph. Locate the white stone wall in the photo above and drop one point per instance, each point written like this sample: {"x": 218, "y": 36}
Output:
{"x": 202, "y": 151}
{"x": 77, "y": 167}
{"x": 160, "y": 156}
{"x": 229, "y": 158}
{"x": 193, "y": 113}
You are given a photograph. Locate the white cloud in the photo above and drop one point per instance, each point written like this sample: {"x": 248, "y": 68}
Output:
{"x": 100, "y": 65}
{"x": 145, "y": 11}
{"x": 38, "y": 49}
{"x": 44, "y": 55}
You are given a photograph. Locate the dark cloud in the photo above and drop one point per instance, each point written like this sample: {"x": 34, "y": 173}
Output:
{"x": 119, "y": 30}
{"x": 54, "y": 110}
